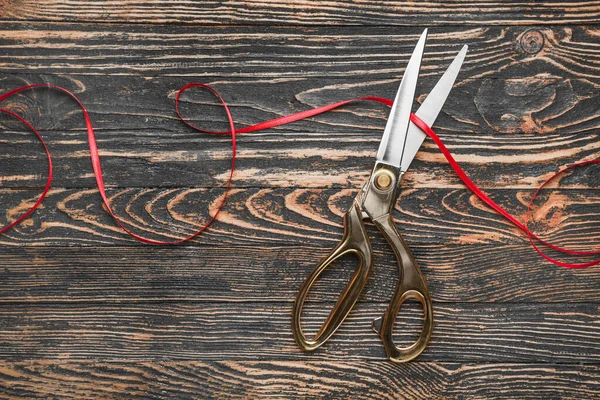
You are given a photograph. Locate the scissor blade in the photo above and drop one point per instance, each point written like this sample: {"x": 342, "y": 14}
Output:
{"x": 394, "y": 136}
{"x": 430, "y": 109}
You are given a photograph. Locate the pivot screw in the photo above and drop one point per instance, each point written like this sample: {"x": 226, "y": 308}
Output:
{"x": 383, "y": 180}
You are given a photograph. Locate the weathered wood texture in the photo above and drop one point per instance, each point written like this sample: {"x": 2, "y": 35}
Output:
{"x": 283, "y": 216}
{"x": 239, "y": 331}
{"x": 356, "y": 54}
{"x": 89, "y": 313}
{"x": 289, "y": 12}
{"x": 293, "y": 379}
{"x": 474, "y": 273}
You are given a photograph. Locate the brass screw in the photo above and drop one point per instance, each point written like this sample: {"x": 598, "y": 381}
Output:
{"x": 383, "y": 181}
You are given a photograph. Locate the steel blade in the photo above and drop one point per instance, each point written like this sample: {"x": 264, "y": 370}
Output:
{"x": 430, "y": 109}
{"x": 394, "y": 136}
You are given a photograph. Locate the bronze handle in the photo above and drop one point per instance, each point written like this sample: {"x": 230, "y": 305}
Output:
{"x": 355, "y": 241}
{"x": 411, "y": 285}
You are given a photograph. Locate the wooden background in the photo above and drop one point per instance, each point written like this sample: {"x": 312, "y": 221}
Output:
{"x": 89, "y": 313}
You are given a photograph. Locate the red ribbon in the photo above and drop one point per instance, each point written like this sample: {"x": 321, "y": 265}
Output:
{"x": 270, "y": 124}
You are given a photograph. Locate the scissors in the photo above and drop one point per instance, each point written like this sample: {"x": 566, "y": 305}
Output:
{"x": 399, "y": 144}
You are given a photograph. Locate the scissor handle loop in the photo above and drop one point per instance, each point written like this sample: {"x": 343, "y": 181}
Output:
{"x": 410, "y": 286}
{"x": 355, "y": 241}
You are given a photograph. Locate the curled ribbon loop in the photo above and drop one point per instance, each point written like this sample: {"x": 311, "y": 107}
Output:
{"x": 98, "y": 169}
{"x": 270, "y": 124}
{"x": 561, "y": 249}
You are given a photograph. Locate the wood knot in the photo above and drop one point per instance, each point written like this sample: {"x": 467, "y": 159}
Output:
{"x": 530, "y": 104}
{"x": 532, "y": 41}
{"x": 21, "y": 105}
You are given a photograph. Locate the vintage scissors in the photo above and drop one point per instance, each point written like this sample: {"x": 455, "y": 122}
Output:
{"x": 399, "y": 144}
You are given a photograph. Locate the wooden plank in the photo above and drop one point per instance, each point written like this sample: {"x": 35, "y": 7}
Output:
{"x": 293, "y": 52}
{"x": 294, "y": 380}
{"x": 337, "y": 12}
{"x": 283, "y": 216}
{"x": 541, "y": 333}
{"x": 159, "y": 159}
{"x": 474, "y": 273}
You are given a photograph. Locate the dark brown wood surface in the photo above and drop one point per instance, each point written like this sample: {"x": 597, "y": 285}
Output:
{"x": 86, "y": 312}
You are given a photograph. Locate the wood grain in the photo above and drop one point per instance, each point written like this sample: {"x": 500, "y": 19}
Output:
{"x": 112, "y": 274}
{"x": 464, "y": 332}
{"x": 147, "y": 158}
{"x": 283, "y": 216}
{"x": 294, "y": 380}
{"x": 292, "y": 52}
{"x": 141, "y": 159}
{"x": 337, "y": 12}
{"x": 88, "y": 313}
